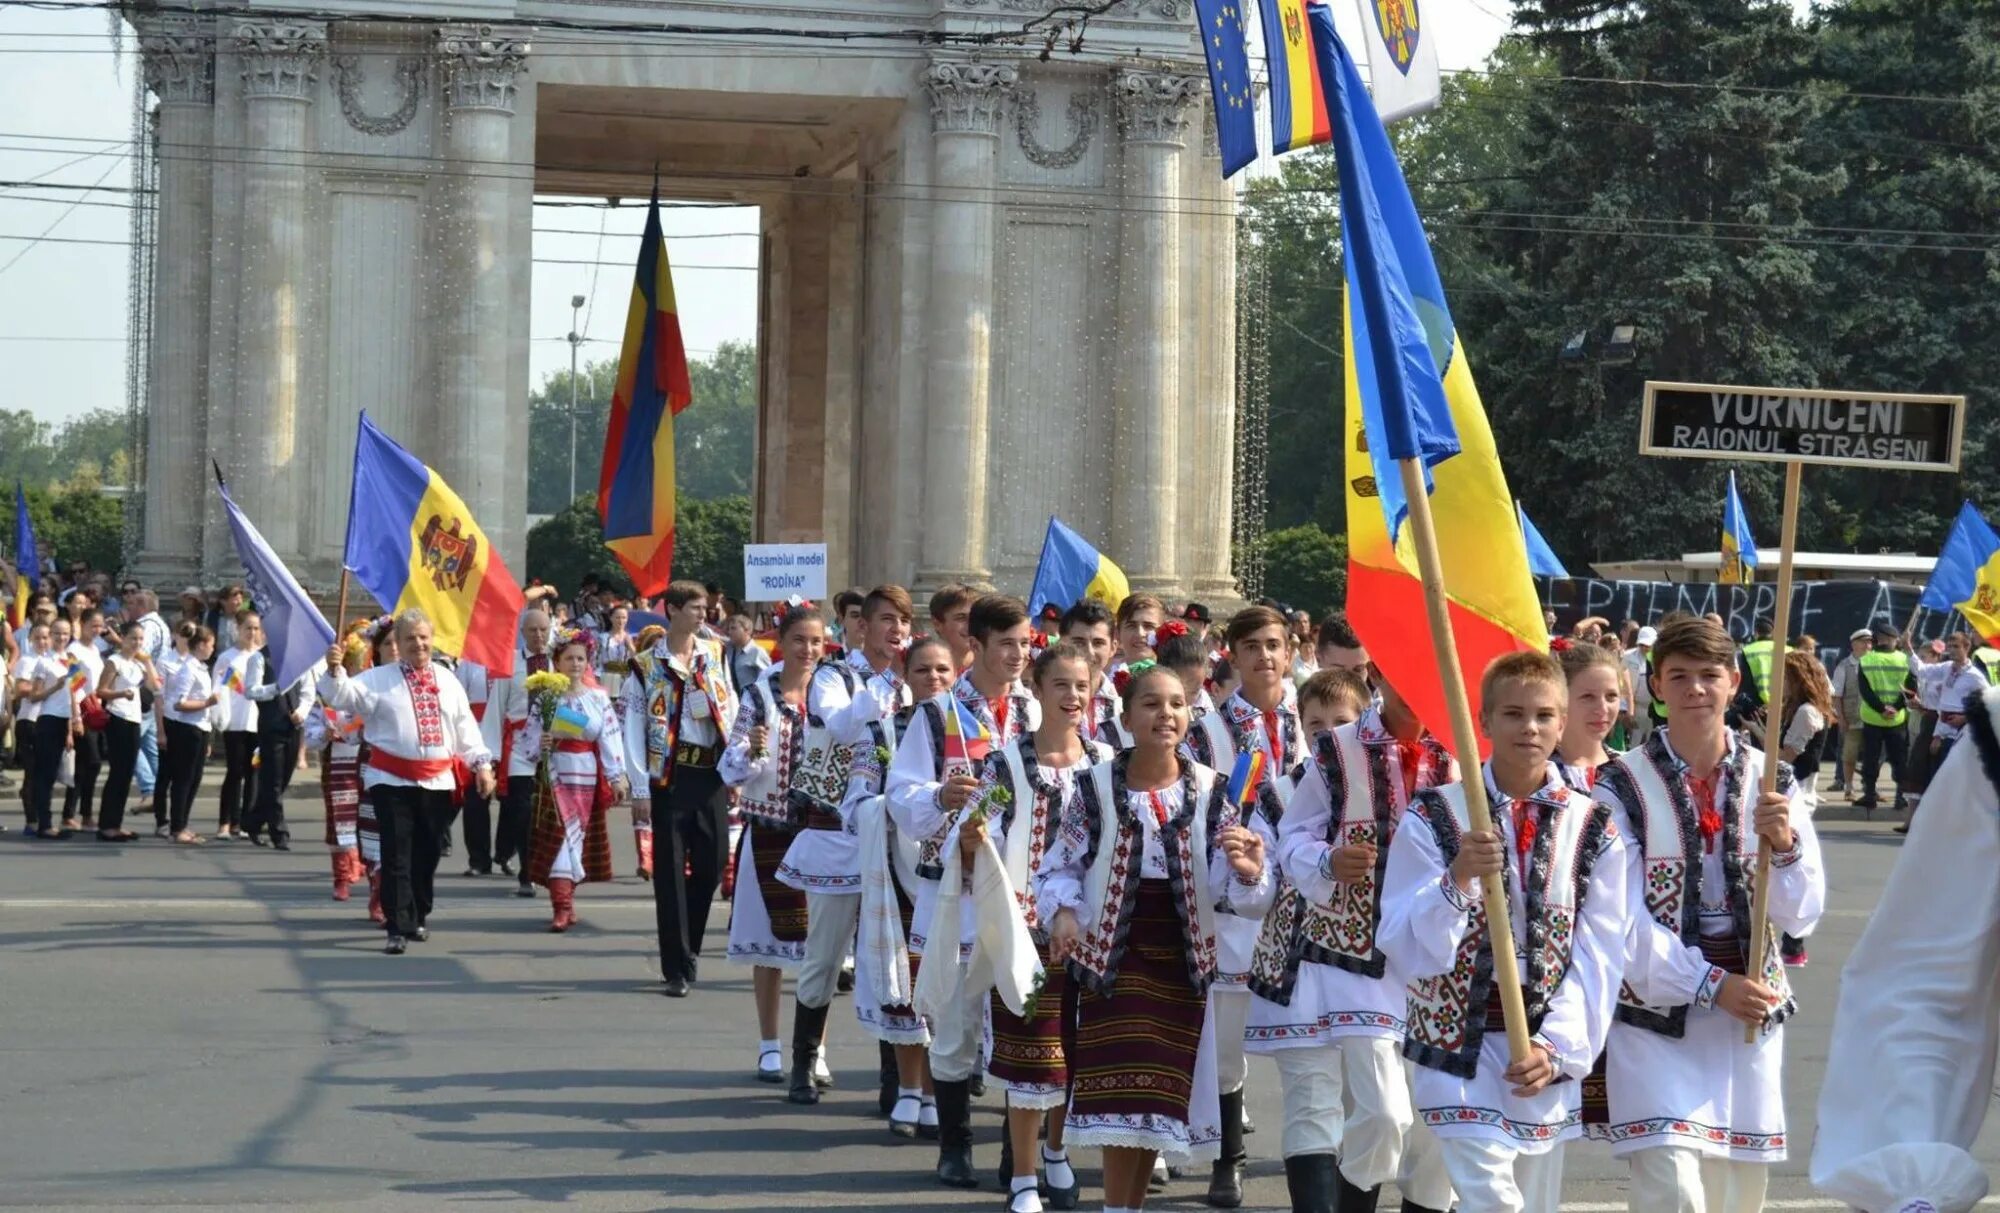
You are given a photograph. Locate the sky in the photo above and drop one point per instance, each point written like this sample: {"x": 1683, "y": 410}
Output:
{"x": 66, "y": 90}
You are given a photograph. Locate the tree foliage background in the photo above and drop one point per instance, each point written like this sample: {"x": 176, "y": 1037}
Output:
{"x": 1769, "y": 200}
{"x": 714, "y": 449}
{"x": 63, "y": 469}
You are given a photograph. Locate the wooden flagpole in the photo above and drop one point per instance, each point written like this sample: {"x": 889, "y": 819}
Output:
{"x": 1774, "y": 722}
{"x": 340, "y": 611}
{"x": 1499, "y": 925}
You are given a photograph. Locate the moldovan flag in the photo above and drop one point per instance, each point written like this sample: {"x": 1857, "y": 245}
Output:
{"x": 412, "y": 543}
{"x": 1410, "y": 395}
{"x": 635, "y": 486}
{"x": 27, "y": 560}
{"x": 1967, "y": 575}
{"x": 1299, "y": 101}
{"x": 1070, "y": 571}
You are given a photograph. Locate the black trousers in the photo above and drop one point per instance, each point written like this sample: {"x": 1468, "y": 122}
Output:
{"x": 187, "y": 753}
{"x": 24, "y": 757}
{"x": 50, "y": 735}
{"x": 277, "y": 758}
{"x": 239, "y": 782}
{"x": 121, "y": 741}
{"x": 409, "y": 820}
{"x": 517, "y": 806}
{"x": 80, "y": 798}
{"x": 478, "y": 830}
{"x": 1876, "y": 740}
{"x": 690, "y": 846}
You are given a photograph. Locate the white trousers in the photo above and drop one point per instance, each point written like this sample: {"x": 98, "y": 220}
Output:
{"x": 1677, "y": 1179}
{"x": 1493, "y": 1177}
{"x": 830, "y": 922}
{"x": 955, "y": 1058}
{"x": 1232, "y": 1012}
{"x": 1347, "y": 1097}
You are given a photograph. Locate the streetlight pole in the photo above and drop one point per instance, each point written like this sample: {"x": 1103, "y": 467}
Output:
{"x": 575, "y": 340}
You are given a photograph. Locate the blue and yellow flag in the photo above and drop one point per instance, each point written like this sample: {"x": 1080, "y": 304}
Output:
{"x": 412, "y": 543}
{"x": 1224, "y": 42}
{"x": 635, "y": 485}
{"x": 1966, "y": 578}
{"x": 27, "y": 559}
{"x": 1410, "y": 396}
{"x": 1739, "y": 546}
{"x": 1070, "y": 571}
{"x": 1542, "y": 559}
{"x": 1299, "y": 106}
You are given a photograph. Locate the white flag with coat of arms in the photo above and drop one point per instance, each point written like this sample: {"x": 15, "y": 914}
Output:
{"x": 1402, "y": 56}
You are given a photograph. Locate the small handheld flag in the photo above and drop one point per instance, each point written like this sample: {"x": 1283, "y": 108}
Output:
{"x": 1246, "y": 777}
{"x": 79, "y": 675}
{"x": 966, "y": 737}
{"x": 569, "y": 722}
{"x": 1739, "y": 546}
{"x": 235, "y": 679}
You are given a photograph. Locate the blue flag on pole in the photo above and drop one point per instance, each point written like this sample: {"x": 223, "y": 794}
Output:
{"x": 1739, "y": 546}
{"x": 1225, "y": 44}
{"x": 298, "y": 635}
{"x": 1542, "y": 560}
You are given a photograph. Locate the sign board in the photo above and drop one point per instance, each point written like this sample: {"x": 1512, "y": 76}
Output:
{"x": 1883, "y": 430}
{"x": 774, "y": 572}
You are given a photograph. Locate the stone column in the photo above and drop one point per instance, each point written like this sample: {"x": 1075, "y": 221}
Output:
{"x": 1152, "y": 123}
{"x": 481, "y": 73}
{"x": 280, "y": 62}
{"x": 179, "y": 62}
{"x": 966, "y": 100}
{"x": 1210, "y": 580}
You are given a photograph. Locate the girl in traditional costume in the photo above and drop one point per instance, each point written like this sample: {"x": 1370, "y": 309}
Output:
{"x": 336, "y": 736}
{"x": 1141, "y": 947}
{"x": 582, "y": 774}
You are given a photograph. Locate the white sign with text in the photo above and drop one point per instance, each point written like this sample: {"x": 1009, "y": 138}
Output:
{"x": 774, "y": 572}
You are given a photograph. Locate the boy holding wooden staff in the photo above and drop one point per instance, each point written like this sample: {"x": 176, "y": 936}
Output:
{"x": 1699, "y": 1114}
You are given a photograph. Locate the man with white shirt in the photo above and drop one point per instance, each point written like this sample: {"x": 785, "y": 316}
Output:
{"x": 505, "y": 717}
{"x": 419, "y": 728}
{"x": 678, "y": 708}
{"x": 281, "y": 717}
{"x": 155, "y": 642}
{"x": 1943, "y": 689}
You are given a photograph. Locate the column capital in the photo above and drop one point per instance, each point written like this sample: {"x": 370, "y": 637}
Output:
{"x": 178, "y": 56}
{"x": 481, "y": 67}
{"x": 966, "y": 96}
{"x": 1152, "y": 106}
{"x": 280, "y": 59}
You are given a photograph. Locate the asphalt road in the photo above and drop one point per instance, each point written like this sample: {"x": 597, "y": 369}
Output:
{"x": 205, "y": 1028}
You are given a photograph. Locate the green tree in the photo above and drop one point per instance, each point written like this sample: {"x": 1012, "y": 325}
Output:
{"x": 70, "y": 525}
{"x": 708, "y": 545}
{"x": 708, "y": 541}
{"x": 97, "y": 443}
{"x": 1305, "y": 567}
{"x": 714, "y": 437}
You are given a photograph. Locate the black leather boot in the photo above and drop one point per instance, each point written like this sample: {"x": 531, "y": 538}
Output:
{"x": 892, "y": 1081}
{"x": 954, "y": 1107}
{"x": 1358, "y": 1200}
{"x": 808, "y": 1024}
{"x": 1225, "y": 1182}
{"x": 1313, "y": 1180}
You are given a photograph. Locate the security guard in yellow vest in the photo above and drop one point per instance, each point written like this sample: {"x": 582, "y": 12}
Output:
{"x": 1757, "y": 664}
{"x": 1987, "y": 658}
{"x": 1885, "y": 714}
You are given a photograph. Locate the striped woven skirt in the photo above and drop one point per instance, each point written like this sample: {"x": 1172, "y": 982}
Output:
{"x": 566, "y": 830}
{"x": 1133, "y": 1067}
{"x": 366, "y": 833}
{"x": 1028, "y": 1050}
{"x": 767, "y": 918}
{"x": 340, "y": 790}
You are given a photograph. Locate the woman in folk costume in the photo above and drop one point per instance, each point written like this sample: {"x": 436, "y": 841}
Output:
{"x": 1037, "y": 773}
{"x": 885, "y": 967}
{"x": 1259, "y": 719}
{"x": 614, "y": 651}
{"x": 767, "y": 919}
{"x": 1143, "y": 949}
{"x": 336, "y": 736}
{"x": 582, "y": 776}
{"x": 1595, "y": 699}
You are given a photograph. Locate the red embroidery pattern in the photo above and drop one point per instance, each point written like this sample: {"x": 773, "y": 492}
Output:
{"x": 424, "y": 704}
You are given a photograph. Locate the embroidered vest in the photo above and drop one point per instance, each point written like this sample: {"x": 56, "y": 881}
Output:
{"x": 819, "y": 783}
{"x": 661, "y": 689}
{"x": 1114, "y": 860}
{"x": 1650, "y": 785}
{"x": 1033, "y": 815}
{"x": 764, "y": 798}
{"x": 1218, "y": 737}
{"x": 1447, "y": 1013}
{"x": 1368, "y": 801}
{"x": 1274, "y": 962}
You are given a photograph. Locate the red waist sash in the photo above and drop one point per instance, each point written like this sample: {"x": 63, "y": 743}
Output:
{"x": 417, "y": 770}
{"x": 572, "y": 745}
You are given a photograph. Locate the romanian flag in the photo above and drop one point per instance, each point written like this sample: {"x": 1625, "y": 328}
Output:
{"x": 1966, "y": 578}
{"x": 1739, "y": 546}
{"x": 412, "y": 543}
{"x": 1245, "y": 779}
{"x": 79, "y": 675}
{"x": 1070, "y": 571}
{"x": 635, "y": 486}
{"x": 1410, "y": 395}
{"x": 27, "y": 560}
{"x": 1298, "y": 89}
{"x": 235, "y": 679}
{"x": 967, "y": 740}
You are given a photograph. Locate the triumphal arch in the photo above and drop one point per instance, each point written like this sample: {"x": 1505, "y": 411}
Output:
{"x": 996, "y": 283}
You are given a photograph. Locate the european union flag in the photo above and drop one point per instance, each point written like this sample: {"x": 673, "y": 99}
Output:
{"x": 1224, "y": 42}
